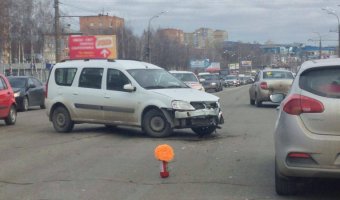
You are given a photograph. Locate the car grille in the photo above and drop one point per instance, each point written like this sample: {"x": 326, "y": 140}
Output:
{"x": 203, "y": 105}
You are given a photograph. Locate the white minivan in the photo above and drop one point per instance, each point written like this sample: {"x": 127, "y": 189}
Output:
{"x": 125, "y": 92}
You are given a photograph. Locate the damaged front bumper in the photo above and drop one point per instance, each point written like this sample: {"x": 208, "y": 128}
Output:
{"x": 196, "y": 118}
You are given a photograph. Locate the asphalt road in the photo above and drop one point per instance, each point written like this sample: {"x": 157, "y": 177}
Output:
{"x": 92, "y": 162}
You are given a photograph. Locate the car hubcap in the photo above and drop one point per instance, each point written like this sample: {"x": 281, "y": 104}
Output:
{"x": 25, "y": 104}
{"x": 60, "y": 119}
{"x": 157, "y": 124}
{"x": 13, "y": 115}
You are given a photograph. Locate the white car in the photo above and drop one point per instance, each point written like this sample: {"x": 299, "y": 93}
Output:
{"x": 122, "y": 92}
{"x": 188, "y": 78}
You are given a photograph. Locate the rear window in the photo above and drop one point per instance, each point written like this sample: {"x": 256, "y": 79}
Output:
{"x": 65, "y": 76}
{"x": 277, "y": 75}
{"x": 322, "y": 81}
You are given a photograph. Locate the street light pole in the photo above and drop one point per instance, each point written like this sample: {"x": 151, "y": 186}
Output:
{"x": 333, "y": 13}
{"x": 148, "y": 43}
{"x": 320, "y": 47}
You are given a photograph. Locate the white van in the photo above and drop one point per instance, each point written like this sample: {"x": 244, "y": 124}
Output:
{"x": 123, "y": 92}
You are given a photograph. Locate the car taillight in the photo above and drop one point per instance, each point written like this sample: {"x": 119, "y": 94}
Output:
{"x": 263, "y": 85}
{"x": 298, "y": 155}
{"x": 296, "y": 104}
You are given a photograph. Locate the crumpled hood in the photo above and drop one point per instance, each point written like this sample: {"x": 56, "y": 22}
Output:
{"x": 186, "y": 94}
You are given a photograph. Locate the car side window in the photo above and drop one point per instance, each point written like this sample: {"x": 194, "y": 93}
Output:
{"x": 37, "y": 82}
{"x": 30, "y": 82}
{"x": 3, "y": 85}
{"x": 116, "y": 80}
{"x": 91, "y": 78}
{"x": 65, "y": 76}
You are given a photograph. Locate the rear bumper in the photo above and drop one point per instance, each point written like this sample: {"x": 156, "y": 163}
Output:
{"x": 292, "y": 136}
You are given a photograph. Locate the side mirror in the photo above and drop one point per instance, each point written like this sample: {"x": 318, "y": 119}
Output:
{"x": 129, "y": 88}
{"x": 277, "y": 98}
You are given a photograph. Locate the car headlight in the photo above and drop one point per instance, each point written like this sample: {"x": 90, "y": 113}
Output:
{"x": 213, "y": 83}
{"x": 182, "y": 105}
{"x": 16, "y": 94}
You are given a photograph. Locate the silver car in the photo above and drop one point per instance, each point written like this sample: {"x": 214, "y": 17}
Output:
{"x": 307, "y": 131}
{"x": 268, "y": 82}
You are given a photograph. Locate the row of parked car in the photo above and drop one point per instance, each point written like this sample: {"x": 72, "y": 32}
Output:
{"x": 18, "y": 93}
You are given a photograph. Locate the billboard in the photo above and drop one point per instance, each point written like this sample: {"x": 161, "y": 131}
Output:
{"x": 246, "y": 63}
{"x": 199, "y": 63}
{"x": 233, "y": 66}
{"x": 92, "y": 46}
{"x": 213, "y": 67}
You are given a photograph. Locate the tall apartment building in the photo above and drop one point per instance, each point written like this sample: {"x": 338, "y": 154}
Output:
{"x": 101, "y": 24}
{"x": 204, "y": 37}
{"x": 173, "y": 34}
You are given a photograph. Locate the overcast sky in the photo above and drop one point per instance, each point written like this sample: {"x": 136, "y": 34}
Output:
{"x": 281, "y": 21}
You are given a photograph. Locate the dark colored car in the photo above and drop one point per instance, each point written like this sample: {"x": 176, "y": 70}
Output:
{"x": 28, "y": 91}
{"x": 8, "y": 110}
{"x": 231, "y": 80}
{"x": 211, "y": 82}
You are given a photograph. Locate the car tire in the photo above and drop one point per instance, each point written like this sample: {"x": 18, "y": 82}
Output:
{"x": 155, "y": 124}
{"x": 12, "y": 116}
{"x": 252, "y": 101}
{"x": 284, "y": 185}
{"x": 61, "y": 120}
{"x": 25, "y": 104}
{"x": 43, "y": 106}
{"x": 111, "y": 127}
{"x": 257, "y": 102}
{"x": 204, "y": 130}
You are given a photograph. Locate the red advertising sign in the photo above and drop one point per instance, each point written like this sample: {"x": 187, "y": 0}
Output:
{"x": 90, "y": 47}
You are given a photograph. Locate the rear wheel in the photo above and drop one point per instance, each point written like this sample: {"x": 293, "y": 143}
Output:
{"x": 12, "y": 116}
{"x": 155, "y": 124}
{"x": 284, "y": 185}
{"x": 42, "y": 106}
{"x": 61, "y": 120}
{"x": 204, "y": 130}
{"x": 257, "y": 102}
{"x": 252, "y": 101}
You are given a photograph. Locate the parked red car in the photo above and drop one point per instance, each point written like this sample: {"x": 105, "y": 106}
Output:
{"x": 8, "y": 111}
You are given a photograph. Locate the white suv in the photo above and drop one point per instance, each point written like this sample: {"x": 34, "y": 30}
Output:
{"x": 123, "y": 92}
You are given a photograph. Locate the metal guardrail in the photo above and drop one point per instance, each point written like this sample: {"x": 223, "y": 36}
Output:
{"x": 39, "y": 71}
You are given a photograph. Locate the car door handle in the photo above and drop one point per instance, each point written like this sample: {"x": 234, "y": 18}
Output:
{"x": 107, "y": 97}
{"x": 75, "y": 93}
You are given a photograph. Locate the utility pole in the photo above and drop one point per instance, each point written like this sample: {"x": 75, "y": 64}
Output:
{"x": 57, "y": 30}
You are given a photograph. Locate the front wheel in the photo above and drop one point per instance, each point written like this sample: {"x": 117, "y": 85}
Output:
{"x": 204, "y": 130}
{"x": 61, "y": 120}
{"x": 155, "y": 124}
{"x": 12, "y": 116}
{"x": 25, "y": 104}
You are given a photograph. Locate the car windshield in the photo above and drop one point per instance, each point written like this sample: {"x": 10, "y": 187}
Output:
{"x": 155, "y": 79}
{"x": 230, "y": 77}
{"x": 17, "y": 82}
{"x": 209, "y": 77}
{"x": 277, "y": 75}
{"x": 186, "y": 77}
